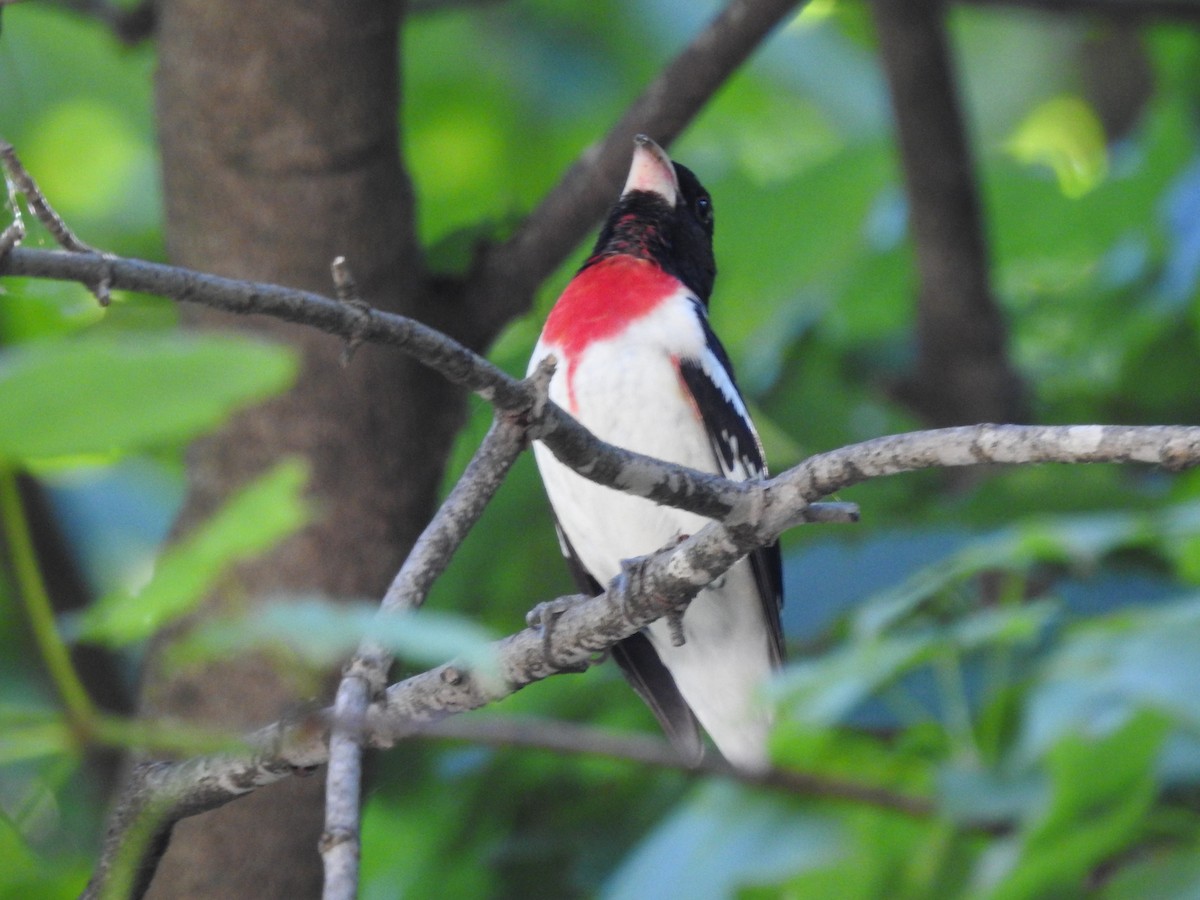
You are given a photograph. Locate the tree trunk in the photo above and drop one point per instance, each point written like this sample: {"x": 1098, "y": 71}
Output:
{"x": 277, "y": 122}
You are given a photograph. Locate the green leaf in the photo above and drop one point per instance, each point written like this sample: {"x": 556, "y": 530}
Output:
{"x": 255, "y": 519}
{"x": 19, "y": 860}
{"x": 889, "y": 856}
{"x": 33, "y": 309}
{"x": 725, "y": 837}
{"x": 971, "y": 794}
{"x": 98, "y": 394}
{"x": 1065, "y": 134}
{"x": 1101, "y": 791}
{"x": 1106, "y": 669}
{"x": 321, "y": 632}
{"x": 407, "y": 833}
{"x": 854, "y": 757}
{"x": 823, "y": 691}
{"x": 28, "y": 740}
{"x": 1159, "y": 874}
{"x": 1001, "y": 626}
{"x": 1078, "y": 541}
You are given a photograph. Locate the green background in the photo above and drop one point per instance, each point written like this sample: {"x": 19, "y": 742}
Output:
{"x": 1022, "y": 648}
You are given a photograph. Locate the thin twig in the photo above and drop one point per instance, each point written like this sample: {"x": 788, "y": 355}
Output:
{"x": 346, "y": 290}
{"x": 569, "y": 737}
{"x": 24, "y": 184}
{"x": 14, "y": 232}
{"x": 19, "y": 181}
{"x": 699, "y": 492}
{"x": 340, "y": 844}
{"x": 655, "y": 586}
{"x": 366, "y": 675}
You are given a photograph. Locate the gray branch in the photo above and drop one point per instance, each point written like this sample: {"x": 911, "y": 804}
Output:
{"x": 573, "y": 738}
{"x": 677, "y": 486}
{"x": 647, "y": 590}
{"x": 746, "y": 516}
{"x": 751, "y": 514}
{"x": 366, "y": 675}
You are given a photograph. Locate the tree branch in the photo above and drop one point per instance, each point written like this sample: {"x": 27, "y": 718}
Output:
{"x": 19, "y": 181}
{"x": 962, "y": 370}
{"x": 647, "y": 590}
{"x": 569, "y": 737}
{"x": 501, "y": 284}
{"x": 750, "y": 515}
{"x": 699, "y": 492}
{"x": 366, "y": 675}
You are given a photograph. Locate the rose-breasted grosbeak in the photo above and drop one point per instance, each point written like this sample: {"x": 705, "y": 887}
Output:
{"x": 640, "y": 367}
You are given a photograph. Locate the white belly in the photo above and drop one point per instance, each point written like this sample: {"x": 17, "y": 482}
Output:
{"x": 631, "y": 395}
{"x": 634, "y": 400}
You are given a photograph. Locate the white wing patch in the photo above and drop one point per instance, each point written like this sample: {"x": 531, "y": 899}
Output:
{"x": 709, "y": 378}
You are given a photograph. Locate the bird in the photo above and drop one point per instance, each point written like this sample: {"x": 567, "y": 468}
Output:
{"x": 638, "y": 365}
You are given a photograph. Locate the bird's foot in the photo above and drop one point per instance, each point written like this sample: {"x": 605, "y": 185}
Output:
{"x": 632, "y": 576}
{"x": 544, "y": 616}
{"x": 632, "y": 584}
{"x": 675, "y": 623}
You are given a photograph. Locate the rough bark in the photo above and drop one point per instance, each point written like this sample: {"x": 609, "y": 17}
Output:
{"x": 277, "y": 123}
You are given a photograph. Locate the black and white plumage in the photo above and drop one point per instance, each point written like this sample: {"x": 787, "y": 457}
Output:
{"x": 639, "y": 366}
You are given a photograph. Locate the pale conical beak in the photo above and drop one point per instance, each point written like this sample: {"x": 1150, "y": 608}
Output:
{"x": 651, "y": 171}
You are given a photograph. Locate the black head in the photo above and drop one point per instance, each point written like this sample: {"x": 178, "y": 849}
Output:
{"x": 665, "y": 215}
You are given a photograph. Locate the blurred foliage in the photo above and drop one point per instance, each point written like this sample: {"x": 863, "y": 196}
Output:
{"x": 1021, "y": 649}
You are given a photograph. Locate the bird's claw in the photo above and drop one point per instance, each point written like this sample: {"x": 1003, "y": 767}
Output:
{"x": 675, "y": 623}
{"x": 634, "y": 571}
{"x": 545, "y": 616}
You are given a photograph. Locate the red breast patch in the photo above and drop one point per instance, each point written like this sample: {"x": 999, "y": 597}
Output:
{"x": 600, "y": 301}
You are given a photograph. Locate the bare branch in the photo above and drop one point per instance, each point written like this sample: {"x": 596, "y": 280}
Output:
{"x": 158, "y": 794}
{"x": 506, "y": 275}
{"x": 751, "y": 515}
{"x": 14, "y": 232}
{"x": 699, "y": 492}
{"x": 1174, "y": 447}
{"x": 962, "y": 371}
{"x": 666, "y": 483}
{"x": 366, "y": 675}
{"x": 462, "y": 509}
{"x": 569, "y": 737}
{"x": 21, "y": 182}
{"x": 340, "y": 844}
{"x": 346, "y": 291}
{"x": 647, "y": 590}
{"x": 708, "y": 495}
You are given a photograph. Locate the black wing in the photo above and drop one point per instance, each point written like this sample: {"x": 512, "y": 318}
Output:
{"x": 644, "y": 671}
{"x": 739, "y": 454}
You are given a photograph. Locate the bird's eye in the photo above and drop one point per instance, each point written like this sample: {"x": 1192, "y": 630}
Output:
{"x": 704, "y": 210}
